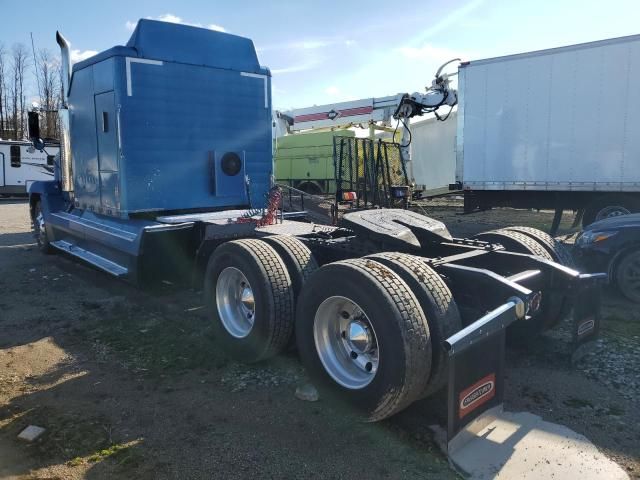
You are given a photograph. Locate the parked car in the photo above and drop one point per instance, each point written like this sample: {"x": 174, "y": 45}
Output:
{"x": 613, "y": 245}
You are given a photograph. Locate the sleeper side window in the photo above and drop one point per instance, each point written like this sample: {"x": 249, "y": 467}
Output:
{"x": 15, "y": 156}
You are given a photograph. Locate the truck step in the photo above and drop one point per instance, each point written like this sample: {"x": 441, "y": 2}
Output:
{"x": 96, "y": 260}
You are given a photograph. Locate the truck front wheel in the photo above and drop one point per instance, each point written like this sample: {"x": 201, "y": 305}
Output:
{"x": 38, "y": 228}
{"x": 249, "y": 298}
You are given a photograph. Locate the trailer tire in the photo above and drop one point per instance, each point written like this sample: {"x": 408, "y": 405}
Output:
{"x": 39, "y": 230}
{"x": 364, "y": 293}
{"x": 247, "y": 278}
{"x": 436, "y": 300}
{"x": 553, "y": 309}
{"x": 609, "y": 206}
{"x": 297, "y": 257}
{"x": 556, "y": 249}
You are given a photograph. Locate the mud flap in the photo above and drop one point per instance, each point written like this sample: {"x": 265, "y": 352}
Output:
{"x": 483, "y": 441}
{"x": 586, "y": 315}
{"x": 476, "y": 370}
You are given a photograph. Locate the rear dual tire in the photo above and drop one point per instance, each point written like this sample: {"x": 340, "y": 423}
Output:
{"x": 249, "y": 298}
{"x": 436, "y": 301}
{"x": 381, "y": 320}
{"x": 251, "y": 287}
{"x": 531, "y": 242}
{"x": 363, "y": 326}
{"x": 558, "y": 251}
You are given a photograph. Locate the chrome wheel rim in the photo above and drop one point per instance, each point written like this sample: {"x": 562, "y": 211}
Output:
{"x": 39, "y": 228}
{"x": 346, "y": 342}
{"x": 235, "y": 302}
{"x": 612, "y": 211}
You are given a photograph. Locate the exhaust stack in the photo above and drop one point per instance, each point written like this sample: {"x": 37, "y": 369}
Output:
{"x": 66, "y": 65}
{"x": 66, "y": 171}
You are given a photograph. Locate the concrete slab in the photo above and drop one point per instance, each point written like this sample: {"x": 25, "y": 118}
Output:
{"x": 31, "y": 433}
{"x": 506, "y": 445}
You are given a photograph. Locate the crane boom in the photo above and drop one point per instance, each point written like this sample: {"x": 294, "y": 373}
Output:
{"x": 373, "y": 111}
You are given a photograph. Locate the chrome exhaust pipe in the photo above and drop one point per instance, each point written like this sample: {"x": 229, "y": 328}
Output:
{"x": 66, "y": 169}
{"x": 65, "y": 55}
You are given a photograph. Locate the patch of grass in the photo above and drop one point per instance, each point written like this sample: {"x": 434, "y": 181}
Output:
{"x": 574, "y": 402}
{"x": 617, "y": 323}
{"x": 111, "y": 451}
{"x": 67, "y": 435}
{"x": 615, "y": 410}
{"x": 123, "y": 454}
{"x": 156, "y": 342}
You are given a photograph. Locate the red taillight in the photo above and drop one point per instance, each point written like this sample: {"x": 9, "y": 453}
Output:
{"x": 349, "y": 196}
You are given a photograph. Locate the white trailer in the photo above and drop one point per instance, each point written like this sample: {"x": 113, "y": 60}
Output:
{"x": 21, "y": 164}
{"x": 555, "y": 128}
{"x": 433, "y": 153}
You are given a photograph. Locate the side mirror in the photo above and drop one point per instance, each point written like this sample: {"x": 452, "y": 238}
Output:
{"x": 34, "y": 130}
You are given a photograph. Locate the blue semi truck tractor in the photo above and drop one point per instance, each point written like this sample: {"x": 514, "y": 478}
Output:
{"x": 166, "y": 172}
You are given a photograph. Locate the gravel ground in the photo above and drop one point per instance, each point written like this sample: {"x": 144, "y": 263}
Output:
{"x": 129, "y": 384}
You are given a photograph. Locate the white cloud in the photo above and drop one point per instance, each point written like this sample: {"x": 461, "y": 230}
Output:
{"x": 79, "y": 55}
{"x": 171, "y": 18}
{"x": 312, "y": 44}
{"x": 451, "y": 20}
{"x": 309, "y": 44}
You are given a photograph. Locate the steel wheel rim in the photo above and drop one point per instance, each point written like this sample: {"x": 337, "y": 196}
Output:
{"x": 631, "y": 276}
{"x": 235, "y": 302}
{"x": 612, "y": 211}
{"x": 346, "y": 342}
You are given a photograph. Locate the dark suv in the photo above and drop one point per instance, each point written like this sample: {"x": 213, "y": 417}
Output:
{"x": 613, "y": 245}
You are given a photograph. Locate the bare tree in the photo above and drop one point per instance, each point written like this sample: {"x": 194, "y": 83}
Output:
{"x": 20, "y": 63}
{"x": 3, "y": 92}
{"x": 47, "y": 70}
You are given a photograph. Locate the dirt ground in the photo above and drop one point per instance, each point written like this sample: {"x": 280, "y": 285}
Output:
{"x": 129, "y": 383}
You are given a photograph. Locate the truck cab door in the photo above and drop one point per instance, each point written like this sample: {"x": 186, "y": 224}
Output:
{"x": 108, "y": 164}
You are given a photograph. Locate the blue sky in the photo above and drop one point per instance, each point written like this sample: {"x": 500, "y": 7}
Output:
{"x": 328, "y": 51}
